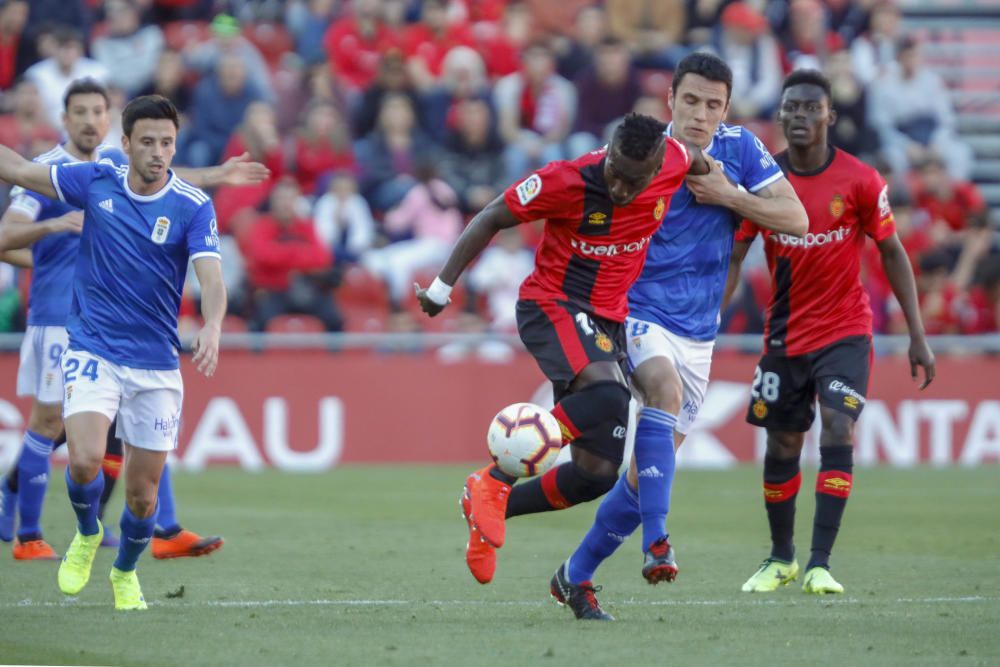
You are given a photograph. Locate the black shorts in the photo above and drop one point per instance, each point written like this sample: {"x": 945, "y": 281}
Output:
{"x": 564, "y": 339}
{"x": 783, "y": 394}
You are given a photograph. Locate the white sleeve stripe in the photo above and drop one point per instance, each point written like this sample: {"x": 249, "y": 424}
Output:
{"x": 186, "y": 195}
{"x": 22, "y": 207}
{"x": 767, "y": 181}
{"x": 54, "y": 177}
{"x": 180, "y": 186}
{"x": 206, "y": 253}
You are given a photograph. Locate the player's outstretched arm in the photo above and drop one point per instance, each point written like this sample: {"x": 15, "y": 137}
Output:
{"x": 213, "y": 310}
{"x": 900, "y": 274}
{"x": 775, "y": 207}
{"x": 239, "y": 170}
{"x": 29, "y": 175}
{"x": 740, "y": 249}
{"x": 474, "y": 239}
{"x": 21, "y": 258}
{"x": 18, "y": 230}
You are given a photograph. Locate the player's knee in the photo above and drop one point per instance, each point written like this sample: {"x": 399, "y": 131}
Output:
{"x": 594, "y": 481}
{"x": 608, "y": 400}
{"x": 47, "y": 424}
{"x": 781, "y": 445}
{"x": 141, "y": 501}
{"x": 84, "y": 469}
{"x": 666, "y": 396}
{"x": 838, "y": 429}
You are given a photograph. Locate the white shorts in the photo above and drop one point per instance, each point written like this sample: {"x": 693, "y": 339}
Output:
{"x": 146, "y": 402}
{"x": 39, "y": 374}
{"x": 691, "y": 358}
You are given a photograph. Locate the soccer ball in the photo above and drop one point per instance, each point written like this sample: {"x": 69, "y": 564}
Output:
{"x": 524, "y": 440}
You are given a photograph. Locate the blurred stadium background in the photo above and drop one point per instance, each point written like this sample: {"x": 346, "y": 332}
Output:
{"x": 387, "y": 123}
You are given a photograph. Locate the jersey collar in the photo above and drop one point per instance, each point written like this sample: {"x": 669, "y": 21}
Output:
{"x": 153, "y": 197}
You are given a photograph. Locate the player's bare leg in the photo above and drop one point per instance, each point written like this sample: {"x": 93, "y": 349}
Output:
{"x": 44, "y": 426}
{"x": 86, "y": 435}
{"x": 782, "y": 480}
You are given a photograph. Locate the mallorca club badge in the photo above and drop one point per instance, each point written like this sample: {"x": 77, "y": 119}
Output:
{"x": 759, "y": 409}
{"x": 837, "y": 206}
{"x": 603, "y": 342}
{"x": 661, "y": 208}
{"x": 160, "y": 230}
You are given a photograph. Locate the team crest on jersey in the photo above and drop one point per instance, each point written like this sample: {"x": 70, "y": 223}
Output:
{"x": 528, "y": 189}
{"x": 160, "y": 230}
{"x": 837, "y": 206}
{"x": 602, "y": 342}
{"x": 661, "y": 208}
{"x": 759, "y": 408}
{"x": 597, "y": 218}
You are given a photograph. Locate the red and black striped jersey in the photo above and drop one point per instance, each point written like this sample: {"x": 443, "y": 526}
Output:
{"x": 591, "y": 250}
{"x": 817, "y": 297}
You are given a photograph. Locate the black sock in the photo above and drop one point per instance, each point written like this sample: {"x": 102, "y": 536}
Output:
{"x": 782, "y": 480}
{"x": 563, "y": 486}
{"x": 833, "y": 486}
{"x": 112, "y": 465}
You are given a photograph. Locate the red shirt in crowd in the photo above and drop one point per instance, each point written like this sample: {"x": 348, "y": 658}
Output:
{"x": 315, "y": 158}
{"x": 274, "y": 252}
{"x": 354, "y": 56}
{"x": 966, "y": 200}
{"x": 229, "y": 198}
{"x": 419, "y": 41}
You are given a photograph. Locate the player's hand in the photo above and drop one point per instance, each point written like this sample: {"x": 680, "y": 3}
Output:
{"x": 920, "y": 355}
{"x": 241, "y": 170}
{"x": 427, "y": 305}
{"x": 712, "y": 188}
{"x": 69, "y": 222}
{"x": 206, "y": 350}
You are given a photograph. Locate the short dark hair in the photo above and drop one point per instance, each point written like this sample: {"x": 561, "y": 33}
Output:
{"x": 638, "y": 136}
{"x": 707, "y": 65}
{"x": 809, "y": 77}
{"x": 85, "y": 87}
{"x": 153, "y": 107}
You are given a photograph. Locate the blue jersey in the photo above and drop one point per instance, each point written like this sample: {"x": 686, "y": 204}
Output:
{"x": 134, "y": 254}
{"x": 683, "y": 280}
{"x": 54, "y": 255}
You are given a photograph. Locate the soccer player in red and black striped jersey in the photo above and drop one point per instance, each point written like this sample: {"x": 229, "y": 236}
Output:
{"x": 601, "y": 211}
{"x": 817, "y": 338}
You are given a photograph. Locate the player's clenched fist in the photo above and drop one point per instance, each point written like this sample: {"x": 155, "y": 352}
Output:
{"x": 433, "y": 299}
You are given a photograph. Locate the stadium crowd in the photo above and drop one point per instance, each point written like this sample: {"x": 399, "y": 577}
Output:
{"x": 387, "y": 124}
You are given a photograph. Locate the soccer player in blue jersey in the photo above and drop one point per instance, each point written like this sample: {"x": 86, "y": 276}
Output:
{"x": 674, "y": 316}
{"x": 51, "y": 228}
{"x": 142, "y": 226}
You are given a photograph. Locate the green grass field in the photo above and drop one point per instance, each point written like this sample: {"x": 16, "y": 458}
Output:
{"x": 364, "y": 566}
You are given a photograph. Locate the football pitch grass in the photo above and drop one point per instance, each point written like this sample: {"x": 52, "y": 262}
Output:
{"x": 364, "y": 566}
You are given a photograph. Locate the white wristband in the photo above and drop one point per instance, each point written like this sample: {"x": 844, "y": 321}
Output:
{"x": 439, "y": 292}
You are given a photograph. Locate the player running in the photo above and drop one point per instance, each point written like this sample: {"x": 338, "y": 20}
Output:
{"x": 817, "y": 338}
{"x": 674, "y": 316}
{"x": 51, "y": 228}
{"x": 601, "y": 211}
{"x": 142, "y": 225}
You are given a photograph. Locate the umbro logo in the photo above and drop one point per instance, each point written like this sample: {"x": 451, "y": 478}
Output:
{"x": 108, "y": 205}
{"x": 651, "y": 471}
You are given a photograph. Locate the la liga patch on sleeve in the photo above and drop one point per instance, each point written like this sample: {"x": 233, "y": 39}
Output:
{"x": 528, "y": 189}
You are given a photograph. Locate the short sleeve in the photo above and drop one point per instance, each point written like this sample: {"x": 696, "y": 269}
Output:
{"x": 759, "y": 168}
{"x": 543, "y": 194}
{"x": 203, "y": 233}
{"x": 27, "y": 202}
{"x": 747, "y": 231}
{"x": 72, "y": 181}
{"x": 874, "y": 211}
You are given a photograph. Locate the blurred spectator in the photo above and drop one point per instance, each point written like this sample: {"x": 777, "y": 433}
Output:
{"x": 809, "y": 41}
{"x": 463, "y": 77}
{"x": 220, "y": 102}
{"x": 257, "y": 135}
{"x": 27, "y": 122}
{"x": 473, "y": 163}
{"x": 321, "y": 146}
{"x": 607, "y": 90}
{"x": 535, "y": 109}
{"x": 168, "y": 81}
{"x": 163, "y": 11}
{"x": 502, "y": 49}
{"x": 227, "y": 40}
{"x": 428, "y": 223}
{"x": 308, "y": 22}
{"x": 387, "y": 156}
{"x": 701, "y": 17}
{"x": 54, "y": 74}
{"x": 575, "y": 53}
{"x": 15, "y": 48}
{"x": 427, "y": 42}
{"x": 651, "y": 28}
{"x": 354, "y": 44}
{"x": 848, "y": 18}
{"x": 392, "y": 78}
{"x": 50, "y": 15}
{"x": 343, "y": 219}
{"x": 498, "y": 276}
{"x": 874, "y": 52}
{"x": 290, "y": 270}
{"x": 652, "y": 105}
{"x": 982, "y": 313}
{"x": 912, "y": 111}
{"x": 745, "y": 42}
{"x": 851, "y": 132}
{"x": 127, "y": 41}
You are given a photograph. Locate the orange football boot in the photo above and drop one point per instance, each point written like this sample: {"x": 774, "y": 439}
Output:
{"x": 34, "y": 550}
{"x": 480, "y": 556}
{"x": 185, "y": 544}
{"x": 488, "y": 497}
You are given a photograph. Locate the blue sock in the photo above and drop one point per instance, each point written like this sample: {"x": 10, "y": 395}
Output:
{"x": 86, "y": 499}
{"x": 136, "y": 534}
{"x": 32, "y": 481}
{"x": 616, "y": 519}
{"x": 166, "y": 516}
{"x": 654, "y": 459}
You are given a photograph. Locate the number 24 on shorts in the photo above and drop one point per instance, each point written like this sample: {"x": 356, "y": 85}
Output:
{"x": 765, "y": 385}
{"x": 89, "y": 370}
